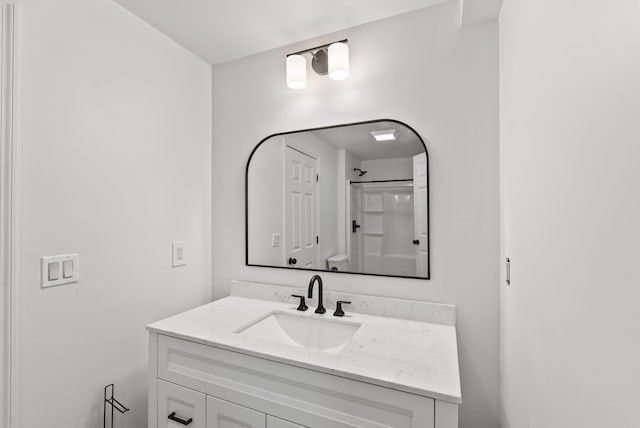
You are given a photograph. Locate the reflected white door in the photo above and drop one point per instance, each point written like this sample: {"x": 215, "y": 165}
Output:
{"x": 300, "y": 209}
{"x": 355, "y": 240}
{"x": 421, "y": 221}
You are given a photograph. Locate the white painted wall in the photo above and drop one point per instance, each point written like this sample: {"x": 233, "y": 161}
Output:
{"x": 570, "y": 97}
{"x": 6, "y": 206}
{"x": 114, "y": 134}
{"x": 351, "y": 162}
{"x": 266, "y": 189}
{"x": 387, "y": 169}
{"x": 421, "y": 68}
{"x": 347, "y": 161}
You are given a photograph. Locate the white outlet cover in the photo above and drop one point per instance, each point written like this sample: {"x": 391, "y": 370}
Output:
{"x": 178, "y": 253}
{"x": 44, "y": 270}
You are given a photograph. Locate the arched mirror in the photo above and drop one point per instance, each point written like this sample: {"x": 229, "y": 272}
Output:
{"x": 348, "y": 198}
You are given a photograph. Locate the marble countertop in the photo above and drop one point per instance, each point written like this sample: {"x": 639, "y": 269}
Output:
{"x": 416, "y": 357}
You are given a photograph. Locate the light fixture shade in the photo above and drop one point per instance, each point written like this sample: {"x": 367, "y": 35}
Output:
{"x": 296, "y": 71}
{"x": 338, "y": 61}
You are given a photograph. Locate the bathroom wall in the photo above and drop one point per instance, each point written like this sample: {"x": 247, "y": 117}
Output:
{"x": 421, "y": 68}
{"x": 388, "y": 169}
{"x": 114, "y": 162}
{"x": 266, "y": 179}
{"x": 347, "y": 161}
{"x": 569, "y": 104}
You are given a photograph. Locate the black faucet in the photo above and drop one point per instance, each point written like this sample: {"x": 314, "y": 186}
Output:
{"x": 314, "y": 278}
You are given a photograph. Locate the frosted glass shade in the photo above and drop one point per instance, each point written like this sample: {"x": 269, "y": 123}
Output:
{"x": 296, "y": 71}
{"x": 338, "y": 61}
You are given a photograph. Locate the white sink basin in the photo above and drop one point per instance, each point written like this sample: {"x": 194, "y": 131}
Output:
{"x": 302, "y": 331}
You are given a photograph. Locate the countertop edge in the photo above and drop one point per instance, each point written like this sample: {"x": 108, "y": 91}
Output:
{"x": 360, "y": 378}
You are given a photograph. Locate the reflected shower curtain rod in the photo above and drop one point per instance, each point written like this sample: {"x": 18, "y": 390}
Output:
{"x": 381, "y": 181}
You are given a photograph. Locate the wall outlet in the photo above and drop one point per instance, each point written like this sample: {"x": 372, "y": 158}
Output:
{"x": 59, "y": 270}
{"x": 179, "y": 256}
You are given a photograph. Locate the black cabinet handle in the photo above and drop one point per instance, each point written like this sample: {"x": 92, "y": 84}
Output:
{"x": 292, "y": 261}
{"x": 416, "y": 242}
{"x": 174, "y": 418}
{"x": 354, "y": 226}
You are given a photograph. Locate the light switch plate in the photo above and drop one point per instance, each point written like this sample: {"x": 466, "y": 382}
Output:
{"x": 275, "y": 240}
{"x": 68, "y": 269}
{"x": 53, "y": 269}
{"x": 70, "y": 278}
{"x": 179, "y": 255}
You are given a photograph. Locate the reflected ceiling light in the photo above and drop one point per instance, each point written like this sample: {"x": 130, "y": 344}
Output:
{"x": 331, "y": 59}
{"x": 384, "y": 135}
{"x": 296, "y": 71}
{"x": 338, "y": 61}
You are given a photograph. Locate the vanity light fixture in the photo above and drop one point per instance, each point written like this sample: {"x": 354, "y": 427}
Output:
{"x": 338, "y": 61}
{"x": 384, "y": 135}
{"x": 331, "y": 59}
{"x": 296, "y": 71}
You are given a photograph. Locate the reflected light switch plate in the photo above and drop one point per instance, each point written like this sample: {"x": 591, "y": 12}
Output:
{"x": 178, "y": 251}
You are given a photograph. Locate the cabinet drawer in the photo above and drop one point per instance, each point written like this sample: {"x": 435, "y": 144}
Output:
{"x": 273, "y": 422}
{"x": 179, "y": 407}
{"x": 223, "y": 414}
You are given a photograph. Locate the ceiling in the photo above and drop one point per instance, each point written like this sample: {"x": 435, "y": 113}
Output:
{"x": 223, "y": 30}
{"x": 358, "y": 140}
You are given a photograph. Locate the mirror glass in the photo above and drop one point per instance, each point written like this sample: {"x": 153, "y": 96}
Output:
{"x": 349, "y": 198}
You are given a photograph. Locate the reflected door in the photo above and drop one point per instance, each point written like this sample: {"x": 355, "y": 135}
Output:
{"x": 355, "y": 252}
{"x": 420, "y": 214}
{"x": 300, "y": 209}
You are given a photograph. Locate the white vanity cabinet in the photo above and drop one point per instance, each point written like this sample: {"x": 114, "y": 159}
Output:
{"x": 177, "y": 403}
{"x": 223, "y": 414}
{"x": 279, "y": 423}
{"x": 220, "y": 388}
{"x": 179, "y": 407}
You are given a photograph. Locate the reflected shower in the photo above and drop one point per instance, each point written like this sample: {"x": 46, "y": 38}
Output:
{"x": 360, "y": 172}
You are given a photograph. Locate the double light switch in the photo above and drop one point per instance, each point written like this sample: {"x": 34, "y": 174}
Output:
{"x": 59, "y": 270}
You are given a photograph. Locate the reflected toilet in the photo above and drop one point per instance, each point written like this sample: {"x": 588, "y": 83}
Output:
{"x": 339, "y": 262}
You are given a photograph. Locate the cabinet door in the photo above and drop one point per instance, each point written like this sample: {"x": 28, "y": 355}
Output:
{"x": 273, "y": 422}
{"x": 179, "y": 407}
{"x": 224, "y": 414}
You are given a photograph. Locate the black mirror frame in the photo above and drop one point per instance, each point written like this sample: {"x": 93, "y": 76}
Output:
{"x": 246, "y": 202}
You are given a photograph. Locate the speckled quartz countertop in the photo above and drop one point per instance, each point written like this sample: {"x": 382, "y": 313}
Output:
{"x": 416, "y": 357}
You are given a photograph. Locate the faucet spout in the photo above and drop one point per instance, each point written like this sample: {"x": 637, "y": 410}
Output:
{"x": 316, "y": 278}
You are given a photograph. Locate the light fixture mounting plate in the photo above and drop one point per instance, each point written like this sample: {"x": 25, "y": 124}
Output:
{"x": 320, "y": 62}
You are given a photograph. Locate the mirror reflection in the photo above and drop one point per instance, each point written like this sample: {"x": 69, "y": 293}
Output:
{"x": 349, "y": 198}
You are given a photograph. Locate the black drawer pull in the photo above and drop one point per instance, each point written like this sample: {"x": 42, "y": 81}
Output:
{"x": 174, "y": 418}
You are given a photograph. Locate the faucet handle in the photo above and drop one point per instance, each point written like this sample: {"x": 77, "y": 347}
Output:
{"x": 339, "y": 312}
{"x": 302, "y": 306}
